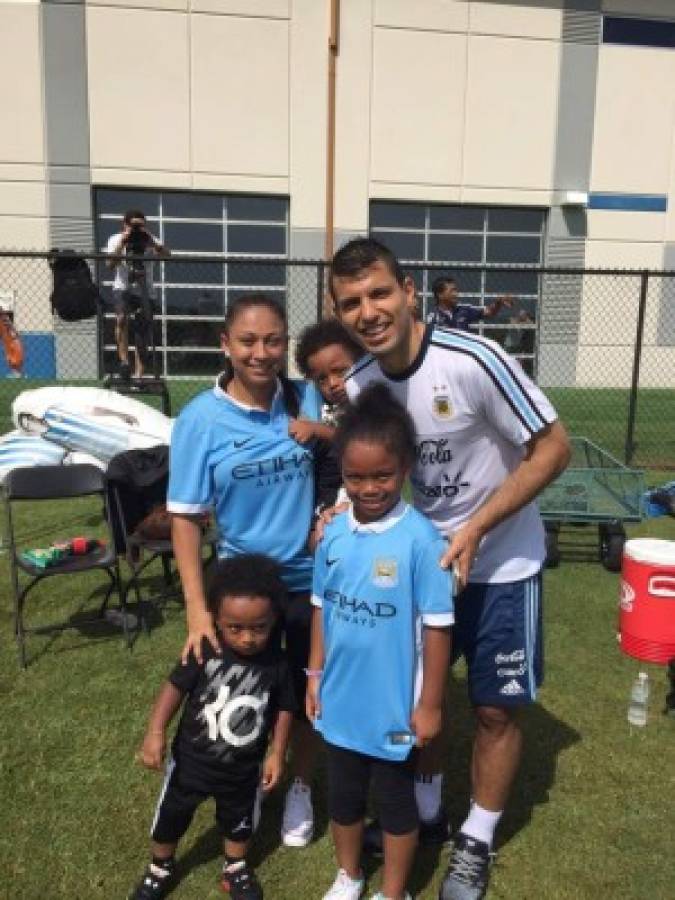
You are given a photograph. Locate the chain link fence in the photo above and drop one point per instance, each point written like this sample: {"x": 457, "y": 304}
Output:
{"x": 600, "y": 343}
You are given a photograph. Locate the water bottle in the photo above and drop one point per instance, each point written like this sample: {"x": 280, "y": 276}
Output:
{"x": 639, "y": 695}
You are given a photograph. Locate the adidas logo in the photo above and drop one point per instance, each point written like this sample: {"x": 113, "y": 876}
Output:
{"x": 512, "y": 688}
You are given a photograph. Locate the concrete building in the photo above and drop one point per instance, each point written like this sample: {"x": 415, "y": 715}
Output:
{"x": 466, "y": 131}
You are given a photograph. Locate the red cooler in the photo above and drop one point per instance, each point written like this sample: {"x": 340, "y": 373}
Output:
{"x": 647, "y": 601}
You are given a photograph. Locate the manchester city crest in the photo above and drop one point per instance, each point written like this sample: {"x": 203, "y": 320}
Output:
{"x": 385, "y": 573}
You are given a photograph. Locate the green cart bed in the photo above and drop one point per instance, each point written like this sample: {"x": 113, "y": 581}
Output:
{"x": 595, "y": 489}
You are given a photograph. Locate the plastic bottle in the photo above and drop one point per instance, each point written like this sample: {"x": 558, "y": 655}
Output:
{"x": 639, "y": 696}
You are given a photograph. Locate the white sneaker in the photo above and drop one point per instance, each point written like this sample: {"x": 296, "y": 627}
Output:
{"x": 297, "y": 826}
{"x": 345, "y": 887}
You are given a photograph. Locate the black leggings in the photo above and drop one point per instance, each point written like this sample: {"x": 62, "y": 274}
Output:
{"x": 349, "y": 775}
{"x": 293, "y": 632}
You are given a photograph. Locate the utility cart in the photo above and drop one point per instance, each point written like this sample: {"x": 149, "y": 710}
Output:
{"x": 595, "y": 489}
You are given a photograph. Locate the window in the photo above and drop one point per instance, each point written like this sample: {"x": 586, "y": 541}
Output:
{"x": 191, "y": 297}
{"x": 638, "y": 32}
{"x": 475, "y": 235}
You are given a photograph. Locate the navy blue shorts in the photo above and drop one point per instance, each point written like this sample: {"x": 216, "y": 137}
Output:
{"x": 498, "y": 630}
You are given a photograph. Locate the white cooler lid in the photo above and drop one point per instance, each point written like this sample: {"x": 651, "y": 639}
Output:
{"x": 651, "y": 550}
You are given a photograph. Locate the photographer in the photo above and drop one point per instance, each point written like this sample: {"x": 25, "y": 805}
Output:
{"x": 133, "y": 287}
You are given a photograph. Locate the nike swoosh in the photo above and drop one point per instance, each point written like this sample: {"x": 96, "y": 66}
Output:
{"x": 239, "y": 444}
{"x": 329, "y": 562}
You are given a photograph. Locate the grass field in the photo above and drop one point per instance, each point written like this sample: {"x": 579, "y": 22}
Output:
{"x": 598, "y": 414}
{"x": 590, "y": 816}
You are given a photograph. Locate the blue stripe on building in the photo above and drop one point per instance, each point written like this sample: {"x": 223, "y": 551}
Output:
{"x": 629, "y": 202}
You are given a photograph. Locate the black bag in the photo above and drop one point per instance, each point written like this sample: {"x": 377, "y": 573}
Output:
{"x": 75, "y": 296}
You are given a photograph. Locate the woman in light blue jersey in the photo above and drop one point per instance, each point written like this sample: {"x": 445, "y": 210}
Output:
{"x": 380, "y": 642}
{"x": 231, "y": 452}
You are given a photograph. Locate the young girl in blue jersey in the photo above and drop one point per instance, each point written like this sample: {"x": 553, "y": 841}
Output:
{"x": 380, "y": 642}
{"x": 231, "y": 452}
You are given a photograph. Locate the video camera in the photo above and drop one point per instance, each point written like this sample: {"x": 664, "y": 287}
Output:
{"x": 138, "y": 242}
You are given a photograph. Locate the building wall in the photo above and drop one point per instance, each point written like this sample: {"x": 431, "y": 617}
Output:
{"x": 453, "y": 101}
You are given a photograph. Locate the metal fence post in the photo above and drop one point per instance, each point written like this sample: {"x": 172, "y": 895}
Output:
{"x": 632, "y": 400}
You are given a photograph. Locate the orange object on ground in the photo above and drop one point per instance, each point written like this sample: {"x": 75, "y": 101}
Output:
{"x": 11, "y": 343}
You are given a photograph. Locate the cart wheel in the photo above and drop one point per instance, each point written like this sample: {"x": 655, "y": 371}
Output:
{"x": 552, "y": 549}
{"x": 612, "y": 539}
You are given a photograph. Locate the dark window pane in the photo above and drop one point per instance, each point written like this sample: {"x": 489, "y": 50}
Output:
{"x": 181, "y": 362}
{"x": 511, "y": 283}
{"x": 505, "y": 219}
{"x": 263, "y": 239}
{"x": 194, "y": 237}
{"x": 256, "y": 209}
{"x": 176, "y": 272}
{"x": 119, "y": 201}
{"x": 105, "y": 228}
{"x": 192, "y": 206}
{"x": 193, "y": 334}
{"x": 403, "y": 244}
{"x": 457, "y": 218}
{"x": 199, "y": 301}
{"x": 638, "y": 32}
{"x": 396, "y": 215}
{"x": 278, "y": 296}
{"x": 513, "y": 250}
{"x": 256, "y": 275}
{"x": 467, "y": 282}
{"x": 455, "y": 248}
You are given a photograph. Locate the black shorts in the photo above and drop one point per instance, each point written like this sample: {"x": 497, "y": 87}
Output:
{"x": 293, "y": 633}
{"x": 237, "y": 803}
{"x": 130, "y": 302}
{"x": 349, "y": 776}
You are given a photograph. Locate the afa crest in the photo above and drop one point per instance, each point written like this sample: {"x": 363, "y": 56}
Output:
{"x": 385, "y": 573}
{"x": 442, "y": 406}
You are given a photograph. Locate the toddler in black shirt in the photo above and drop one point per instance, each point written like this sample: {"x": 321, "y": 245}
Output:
{"x": 233, "y": 734}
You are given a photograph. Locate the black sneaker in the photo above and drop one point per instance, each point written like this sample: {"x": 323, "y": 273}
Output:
{"x": 240, "y": 882}
{"x": 432, "y": 834}
{"x": 469, "y": 870}
{"x": 155, "y": 884}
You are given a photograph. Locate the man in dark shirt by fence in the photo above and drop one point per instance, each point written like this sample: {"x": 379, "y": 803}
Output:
{"x": 450, "y": 313}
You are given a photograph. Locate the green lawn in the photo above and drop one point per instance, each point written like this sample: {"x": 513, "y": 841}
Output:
{"x": 598, "y": 414}
{"x": 591, "y": 813}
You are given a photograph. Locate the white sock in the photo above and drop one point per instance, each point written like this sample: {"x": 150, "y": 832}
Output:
{"x": 480, "y": 824}
{"x": 428, "y": 790}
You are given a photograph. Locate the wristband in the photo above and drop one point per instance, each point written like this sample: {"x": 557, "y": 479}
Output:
{"x": 314, "y": 673}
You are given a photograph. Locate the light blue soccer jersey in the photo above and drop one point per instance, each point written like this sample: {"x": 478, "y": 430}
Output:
{"x": 242, "y": 463}
{"x": 377, "y": 585}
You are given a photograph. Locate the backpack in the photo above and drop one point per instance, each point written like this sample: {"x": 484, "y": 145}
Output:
{"x": 75, "y": 296}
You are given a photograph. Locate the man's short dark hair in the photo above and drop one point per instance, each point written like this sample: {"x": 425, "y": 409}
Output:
{"x": 321, "y": 335}
{"x": 441, "y": 282}
{"x": 133, "y": 214}
{"x": 359, "y": 254}
{"x": 249, "y": 575}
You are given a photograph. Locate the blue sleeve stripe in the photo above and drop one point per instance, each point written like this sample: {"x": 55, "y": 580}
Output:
{"x": 501, "y": 374}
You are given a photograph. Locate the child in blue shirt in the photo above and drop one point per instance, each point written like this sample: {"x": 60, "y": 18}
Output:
{"x": 380, "y": 642}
